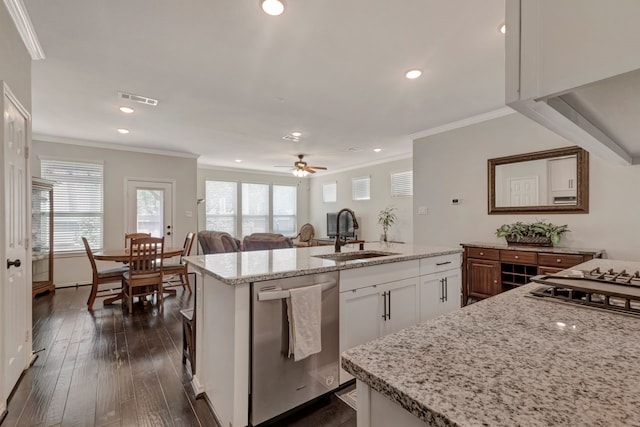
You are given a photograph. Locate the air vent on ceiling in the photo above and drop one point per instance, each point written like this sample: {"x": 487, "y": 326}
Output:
{"x": 291, "y": 138}
{"x": 138, "y": 98}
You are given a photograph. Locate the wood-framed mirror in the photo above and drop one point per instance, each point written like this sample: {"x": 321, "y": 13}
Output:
{"x": 551, "y": 181}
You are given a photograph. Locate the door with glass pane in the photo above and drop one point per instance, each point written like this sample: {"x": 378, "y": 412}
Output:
{"x": 150, "y": 208}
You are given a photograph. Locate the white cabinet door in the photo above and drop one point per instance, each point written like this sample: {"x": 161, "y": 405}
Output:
{"x": 400, "y": 305}
{"x": 439, "y": 294}
{"x": 360, "y": 319}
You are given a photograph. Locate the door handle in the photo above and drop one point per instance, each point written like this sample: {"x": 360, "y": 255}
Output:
{"x": 384, "y": 297}
{"x": 15, "y": 263}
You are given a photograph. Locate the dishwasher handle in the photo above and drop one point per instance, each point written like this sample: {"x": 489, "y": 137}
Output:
{"x": 283, "y": 293}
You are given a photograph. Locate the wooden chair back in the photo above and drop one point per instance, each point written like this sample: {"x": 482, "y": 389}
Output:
{"x": 129, "y": 236}
{"x": 146, "y": 257}
{"x": 92, "y": 260}
{"x": 188, "y": 244}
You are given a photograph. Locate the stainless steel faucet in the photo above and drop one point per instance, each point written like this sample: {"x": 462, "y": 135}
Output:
{"x": 355, "y": 225}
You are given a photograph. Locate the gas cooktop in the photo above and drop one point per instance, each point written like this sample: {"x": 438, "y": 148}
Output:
{"x": 617, "y": 291}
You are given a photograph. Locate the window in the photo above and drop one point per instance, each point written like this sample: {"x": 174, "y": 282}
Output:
{"x": 330, "y": 192}
{"x": 285, "y": 205}
{"x": 77, "y": 203}
{"x": 255, "y": 208}
{"x": 360, "y": 188}
{"x": 402, "y": 184}
{"x": 220, "y": 206}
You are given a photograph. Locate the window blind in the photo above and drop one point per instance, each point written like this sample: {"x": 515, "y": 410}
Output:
{"x": 285, "y": 207}
{"x": 255, "y": 208}
{"x": 78, "y": 203}
{"x": 221, "y": 206}
{"x": 402, "y": 184}
{"x": 360, "y": 188}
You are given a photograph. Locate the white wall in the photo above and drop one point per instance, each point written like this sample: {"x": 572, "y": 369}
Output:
{"x": 216, "y": 174}
{"x": 455, "y": 163}
{"x": 366, "y": 210}
{"x": 69, "y": 270}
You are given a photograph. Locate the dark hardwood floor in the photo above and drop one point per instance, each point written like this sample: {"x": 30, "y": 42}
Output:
{"x": 106, "y": 368}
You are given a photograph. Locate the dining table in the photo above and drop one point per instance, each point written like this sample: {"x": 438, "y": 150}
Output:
{"x": 123, "y": 254}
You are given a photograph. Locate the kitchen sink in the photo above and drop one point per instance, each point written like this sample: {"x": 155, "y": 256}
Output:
{"x": 350, "y": 256}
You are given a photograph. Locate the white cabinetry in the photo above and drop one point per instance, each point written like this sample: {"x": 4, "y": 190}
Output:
{"x": 440, "y": 293}
{"x": 382, "y": 299}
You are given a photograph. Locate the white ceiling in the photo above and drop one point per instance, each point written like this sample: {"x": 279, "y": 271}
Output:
{"x": 232, "y": 80}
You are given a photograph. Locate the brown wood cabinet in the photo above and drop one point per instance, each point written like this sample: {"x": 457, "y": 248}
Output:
{"x": 490, "y": 269}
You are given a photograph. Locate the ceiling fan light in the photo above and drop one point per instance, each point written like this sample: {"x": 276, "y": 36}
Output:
{"x": 300, "y": 173}
{"x": 272, "y": 7}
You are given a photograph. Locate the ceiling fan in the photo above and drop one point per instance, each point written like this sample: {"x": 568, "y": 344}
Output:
{"x": 300, "y": 167}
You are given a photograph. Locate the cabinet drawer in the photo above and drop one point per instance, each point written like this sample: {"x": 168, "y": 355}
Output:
{"x": 355, "y": 278}
{"x": 559, "y": 260}
{"x": 481, "y": 253}
{"x": 439, "y": 263}
{"x": 548, "y": 270}
{"x": 519, "y": 257}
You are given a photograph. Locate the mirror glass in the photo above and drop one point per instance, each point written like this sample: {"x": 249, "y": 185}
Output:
{"x": 540, "y": 182}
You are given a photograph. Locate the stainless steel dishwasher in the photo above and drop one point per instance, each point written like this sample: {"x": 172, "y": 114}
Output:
{"x": 279, "y": 384}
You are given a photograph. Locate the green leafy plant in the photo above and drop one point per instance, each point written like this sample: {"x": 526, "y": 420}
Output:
{"x": 386, "y": 217}
{"x": 519, "y": 230}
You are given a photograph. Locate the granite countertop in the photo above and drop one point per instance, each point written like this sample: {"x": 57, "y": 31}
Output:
{"x": 548, "y": 249}
{"x": 512, "y": 360}
{"x": 254, "y": 266}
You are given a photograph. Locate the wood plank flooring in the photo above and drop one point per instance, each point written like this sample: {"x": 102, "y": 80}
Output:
{"x": 106, "y": 368}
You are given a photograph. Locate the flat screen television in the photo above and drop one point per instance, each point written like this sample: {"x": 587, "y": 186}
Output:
{"x": 346, "y": 225}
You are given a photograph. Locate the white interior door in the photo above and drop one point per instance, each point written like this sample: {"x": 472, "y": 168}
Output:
{"x": 149, "y": 208}
{"x": 16, "y": 319}
{"x": 523, "y": 191}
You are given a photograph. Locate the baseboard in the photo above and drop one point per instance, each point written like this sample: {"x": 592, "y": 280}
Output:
{"x": 198, "y": 389}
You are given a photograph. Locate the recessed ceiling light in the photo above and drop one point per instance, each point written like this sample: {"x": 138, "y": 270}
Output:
{"x": 123, "y": 130}
{"x": 272, "y": 7}
{"x": 296, "y": 134}
{"x": 503, "y": 28}
{"x": 238, "y": 160}
{"x": 413, "y": 74}
{"x": 126, "y": 110}
{"x": 377, "y": 150}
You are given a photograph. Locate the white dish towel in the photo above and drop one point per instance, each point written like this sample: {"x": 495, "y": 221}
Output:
{"x": 304, "y": 310}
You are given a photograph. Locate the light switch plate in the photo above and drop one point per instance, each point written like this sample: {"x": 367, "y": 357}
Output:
{"x": 422, "y": 210}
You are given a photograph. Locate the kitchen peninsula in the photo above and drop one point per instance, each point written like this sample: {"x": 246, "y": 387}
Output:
{"x": 365, "y": 294}
{"x": 509, "y": 360}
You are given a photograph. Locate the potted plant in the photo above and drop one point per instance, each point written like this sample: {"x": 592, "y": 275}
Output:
{"x": 386, "y": 217}
{"x": 538, "y": 233}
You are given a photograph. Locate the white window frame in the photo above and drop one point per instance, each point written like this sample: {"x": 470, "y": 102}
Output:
{"x": 330, "y": 192}
{"x": 361, "y": 188}
{"x": 238, "y": 211}
{"x": 96, "y": 243}
{"x": 402, "y": 184}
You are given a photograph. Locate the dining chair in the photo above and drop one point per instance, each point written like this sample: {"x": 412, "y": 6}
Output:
{"x": 305, "y": 236}
{"x": 129, "y": 236}
{"x": 181, "y": 269}
{"x": 100, "y": 277}
{"x": 145, "y": 272}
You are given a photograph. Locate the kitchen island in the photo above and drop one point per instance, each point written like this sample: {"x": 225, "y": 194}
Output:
{"x": 425, "y": 281}
{"x": 509, "y": 360}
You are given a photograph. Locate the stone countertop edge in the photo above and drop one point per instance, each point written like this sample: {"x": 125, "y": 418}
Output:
{"x": 551, "y": 249}
{"x": 199, "y": 262}
{"x": 487, "y": 363}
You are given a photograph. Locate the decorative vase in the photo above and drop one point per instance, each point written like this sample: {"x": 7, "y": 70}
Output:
{"x": 529, "y": 241}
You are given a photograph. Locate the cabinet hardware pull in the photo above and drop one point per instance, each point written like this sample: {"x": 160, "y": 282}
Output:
{"x": 389, "y": 296}
{"x": 446, "y": 289}
{"x": 516, "y": 257}
{"x": 384, "y": 297}
{"x": 558, "y": 260}
{"x": 481, "y": 253}
{"x": 443, "y": 263}
{"x": 495, "y": 281}
{"x": 442, "y": 290}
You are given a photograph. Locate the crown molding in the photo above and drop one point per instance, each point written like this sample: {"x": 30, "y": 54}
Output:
{"x": 208, "y": 166}
{"x": 366, "y": 164}
{"x": 505, "y": 111}
{"x": 21, "y": 20}
{"x": 110, "y": 146}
